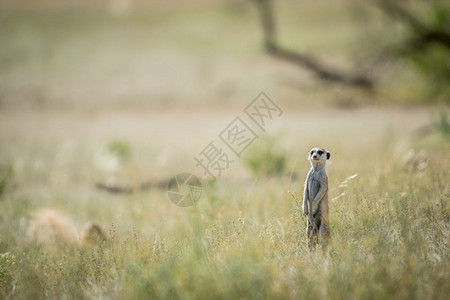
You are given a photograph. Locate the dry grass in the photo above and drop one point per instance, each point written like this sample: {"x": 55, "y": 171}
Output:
{"x": 245, "y": 238}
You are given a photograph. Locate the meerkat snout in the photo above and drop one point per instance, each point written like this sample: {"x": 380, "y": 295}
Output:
{"x": 318, "y": 154}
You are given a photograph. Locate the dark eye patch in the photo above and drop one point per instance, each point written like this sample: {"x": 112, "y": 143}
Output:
{"x": 320, "y": 152}
{"x": 311, "y": 152}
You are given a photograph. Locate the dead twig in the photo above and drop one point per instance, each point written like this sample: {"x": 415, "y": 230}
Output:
{"x": 117, "y": 189}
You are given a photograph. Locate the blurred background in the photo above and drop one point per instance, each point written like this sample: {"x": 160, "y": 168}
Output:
{"x": 124, "y": 92}
{"x": 98, "y": 55}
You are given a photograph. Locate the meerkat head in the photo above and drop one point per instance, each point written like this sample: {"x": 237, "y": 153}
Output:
{"x": 317, "y": 155}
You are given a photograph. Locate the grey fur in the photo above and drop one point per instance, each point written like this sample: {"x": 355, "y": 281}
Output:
{"x": 315, "y": 198}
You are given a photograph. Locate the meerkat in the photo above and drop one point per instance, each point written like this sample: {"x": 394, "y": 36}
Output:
{"x": 315, "y": 198}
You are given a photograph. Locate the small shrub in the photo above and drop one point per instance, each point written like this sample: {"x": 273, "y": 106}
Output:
{"x": 6, "y": 178}
{"x": 442, "y": 122}
{"x": 7, "y": 262}
{"x": 120, "y": 149}
{"x": 266, "y": 158}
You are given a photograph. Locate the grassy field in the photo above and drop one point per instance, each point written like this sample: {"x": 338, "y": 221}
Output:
{"x": 245, "y": 237}
{"x": 89, "y": 94}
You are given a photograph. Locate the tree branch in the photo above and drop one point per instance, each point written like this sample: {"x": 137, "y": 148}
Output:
{"x": 118, "y": 189}
{"x": 425, "y": 35}
{"x": 265, "y": 9}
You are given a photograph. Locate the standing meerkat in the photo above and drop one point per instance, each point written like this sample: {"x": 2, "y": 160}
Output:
{"x": 315, "y": 198}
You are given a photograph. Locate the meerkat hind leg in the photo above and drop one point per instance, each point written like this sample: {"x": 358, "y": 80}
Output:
{"x": 312, "y": 232}
{"x": 324, "y": 234}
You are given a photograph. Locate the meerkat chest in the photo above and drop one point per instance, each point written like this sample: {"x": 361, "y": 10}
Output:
{"x": 313, "y": 187}
{"x": 316, "y": 180}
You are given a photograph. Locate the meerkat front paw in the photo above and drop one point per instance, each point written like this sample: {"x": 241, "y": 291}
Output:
{"x": 315, "y": 208}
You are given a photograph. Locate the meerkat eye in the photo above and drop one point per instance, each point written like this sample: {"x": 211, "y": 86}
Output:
{"x": 320, "y": 152}
{"x": 311, "y": 153}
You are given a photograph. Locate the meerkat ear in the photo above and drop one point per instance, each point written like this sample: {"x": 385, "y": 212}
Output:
{"x": 328, "y": 155}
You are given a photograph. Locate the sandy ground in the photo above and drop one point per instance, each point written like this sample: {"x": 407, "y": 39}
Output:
{"x": 53, "y": 126}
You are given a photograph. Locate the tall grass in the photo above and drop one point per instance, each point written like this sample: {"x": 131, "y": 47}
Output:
{"x": 390, "y": 234}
